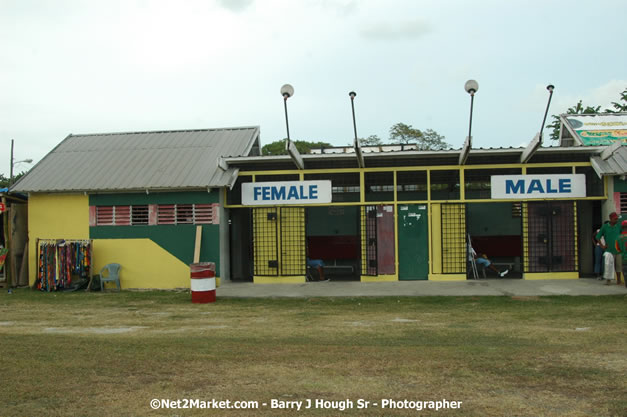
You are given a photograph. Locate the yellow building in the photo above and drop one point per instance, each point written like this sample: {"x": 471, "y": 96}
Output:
{"x": 145, "y": 200}
{"x": 393, "y": 213}
{"x": 411, "y": 214}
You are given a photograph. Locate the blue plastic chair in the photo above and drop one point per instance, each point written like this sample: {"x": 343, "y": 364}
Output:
{"x": 112, "y": 276}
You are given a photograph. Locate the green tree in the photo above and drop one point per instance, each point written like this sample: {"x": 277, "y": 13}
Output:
{"x": 303, "y": 146}
{"x": 618, "y": 106}
{"x": 4, "y": 181}
{"x": 576, "y": 109}
{"x": 428, "y": 140}
{"x": 372, "y": 140}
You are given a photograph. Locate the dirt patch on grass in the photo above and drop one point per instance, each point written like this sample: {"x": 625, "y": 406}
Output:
{"x": 526, "y": 298}
{"x": 92, "y": 330}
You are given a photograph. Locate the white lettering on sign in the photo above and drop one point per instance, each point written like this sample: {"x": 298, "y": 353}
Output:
{"x": 524, "y": 187}
{"x": 288, "y": 192}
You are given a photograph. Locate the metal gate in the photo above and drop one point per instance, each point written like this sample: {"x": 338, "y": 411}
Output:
{"x": 369, "y": 252}
{"x": 550, "y": 236}
{"x": 293, "y": 261}
{"x": 279, "y": 241}
{"x": 454, "y": 238}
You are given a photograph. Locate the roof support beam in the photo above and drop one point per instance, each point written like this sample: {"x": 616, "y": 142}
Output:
{"x": 531, "y": 149}
{"x": 609, "y": 151}
{"x": 294, "y": 154}
{"x": 463, "y": 156}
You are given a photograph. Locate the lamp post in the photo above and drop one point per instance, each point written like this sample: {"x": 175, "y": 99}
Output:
{"x": 287, "y": 91}
{"x": 550, "y": 88}
{"x": 471, "y": 88}
{"x": 13, "y": 163}
{"x": 352, "y": 95}
{"x": 356, "y": 145}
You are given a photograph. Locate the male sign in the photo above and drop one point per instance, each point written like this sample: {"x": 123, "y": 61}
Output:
{"x": 542, "y": 186}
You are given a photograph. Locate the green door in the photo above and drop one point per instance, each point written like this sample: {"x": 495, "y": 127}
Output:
{"x": 413, "y": 242}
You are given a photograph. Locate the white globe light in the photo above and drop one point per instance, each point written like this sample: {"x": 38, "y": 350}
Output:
{"x": 287, "y": 90}
{"x": 471, "y": 86}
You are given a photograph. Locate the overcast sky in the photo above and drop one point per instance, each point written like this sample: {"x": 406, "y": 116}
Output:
{"x": 118, "y": 66}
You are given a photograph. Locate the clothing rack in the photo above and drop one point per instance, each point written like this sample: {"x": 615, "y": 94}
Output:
{"x": 60, "y": 259}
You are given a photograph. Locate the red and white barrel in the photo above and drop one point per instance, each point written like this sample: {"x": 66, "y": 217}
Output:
{"x": 203, "y": 275}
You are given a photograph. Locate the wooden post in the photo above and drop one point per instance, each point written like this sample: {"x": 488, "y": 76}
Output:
{"x": 197, "y": 245}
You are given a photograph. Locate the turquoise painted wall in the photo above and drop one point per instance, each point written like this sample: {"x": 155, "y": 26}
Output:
{"x": 492, "y": 219}
{"x": 178, "y": 239}
{"x": 331, "y": 221}
{"x": 620, "y": 186}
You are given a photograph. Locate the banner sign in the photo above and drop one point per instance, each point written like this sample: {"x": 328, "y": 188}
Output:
{"x": 598, "y": 130}
{"x": 286, "y": 192}
{"x": 524, "y": 187}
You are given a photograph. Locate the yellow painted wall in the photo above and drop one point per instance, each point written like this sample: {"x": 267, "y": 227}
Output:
{"x": 550, "y": 275}
{"x": 144, "y": 263}
{"x": 379, "y": 278}
{"x": 436, "y": 240}
{"x": 55, "y": 216}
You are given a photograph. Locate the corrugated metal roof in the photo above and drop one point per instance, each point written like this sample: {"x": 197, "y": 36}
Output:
{"x": 615, "y": 164}
{"x": 184, "y": 159}
{"x": 491, "y": 152}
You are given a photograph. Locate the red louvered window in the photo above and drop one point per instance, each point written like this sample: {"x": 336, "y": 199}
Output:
{"x": 166, "y": 214}
{"x": 113, "y": 215}
{"x": 105, "y": 216}
{"x": 185, "y": 214}
{"x": 121, "y": 215}
{"x": 623, "y": 203}
{"x": 203, "y": 214}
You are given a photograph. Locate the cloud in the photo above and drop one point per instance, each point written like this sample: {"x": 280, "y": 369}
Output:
{"x": 597, "y": 96}
{"x": 235, "y": 6}
{"x": 410, "y": 29}
{"x": 606, "y": 93}
{"x": 343, "y": 8}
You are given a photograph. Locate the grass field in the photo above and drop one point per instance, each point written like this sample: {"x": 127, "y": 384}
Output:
{"x": 79, "y": 354}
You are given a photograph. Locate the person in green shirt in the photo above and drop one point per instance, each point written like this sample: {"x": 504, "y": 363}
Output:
{"x": 611, "y": 232}
{"x": 621, "y": 246}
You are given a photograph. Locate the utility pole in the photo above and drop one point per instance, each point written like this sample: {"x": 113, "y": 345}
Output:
{"x": 11, "y": 169}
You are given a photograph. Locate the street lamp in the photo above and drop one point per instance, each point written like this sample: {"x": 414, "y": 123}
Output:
{"x": 550, "y": 89}
{"x": 360, "y": 156}
{"x": 287, "y": 91}
{"x": 13, "y": 163}
{"x": 471, "y": 88}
